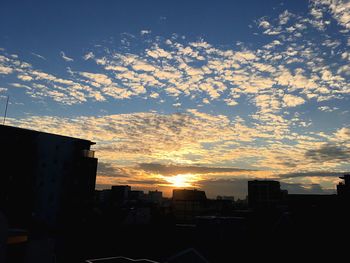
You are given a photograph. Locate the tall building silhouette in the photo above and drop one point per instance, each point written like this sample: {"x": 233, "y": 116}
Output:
{"x": 187, "y": 204}
{"x": 120, "y": 194}
{"x": 343, "y": 188}
{"x": 45, "y": 178}
{"x": 264, "y": 193}
{"x": 155, "y": 196}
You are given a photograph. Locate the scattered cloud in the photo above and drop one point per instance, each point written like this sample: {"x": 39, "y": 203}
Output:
{"x": 38, "y": 56}
{"x": 327, "y": 108}
{"x": 329, "y": 153}
{"x": 110, "y": 170}
{"x": 66, "y": 58}
{"x": 145, "y": 32}
{"x": 292, "y": 101}
{"x": 88, "y": 56}
{"x": 340, "y": 9}
{"x": 265, "y": 93}
{"x": 5, "y": 70}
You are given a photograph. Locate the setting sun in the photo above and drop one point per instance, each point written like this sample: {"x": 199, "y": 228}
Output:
{"x": 183, "y": 180}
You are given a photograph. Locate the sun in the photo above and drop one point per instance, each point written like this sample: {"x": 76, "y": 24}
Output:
{"x": 182, "y": 180}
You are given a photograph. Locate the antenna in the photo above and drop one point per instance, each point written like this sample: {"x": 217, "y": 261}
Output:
{"x": 7, "y": 102}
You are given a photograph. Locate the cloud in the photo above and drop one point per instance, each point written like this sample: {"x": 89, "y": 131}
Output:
{"x": 239, "y": 188}
{"x": 151, "y": 136}
{"x": 88, "y": 56}
{"x": 344, "y": 70}
{"x": 97, "y": 79}
{"x": 3, "y": 90}
{"x": 5, "y": 70}
{"x": 110, "y": 170}
{"x": 38, "y": 56}
{"x": 66, "y": 58}
{"x": 342, "y": 135}
{"x": 264, "y": 24}
{"x": 154, "y": 95}
{"x": 148, "y": 182}
{"x": 227, "y": 187}
{"x": 24, "y": 77}
{"x": 157, "y": 52}
{"x": 327, "y": 108}
{"x": 294, "y": 188}
{"x": 145, "y": 32}
{"x": 316, "y": 13}
{"x": 143, "y": 67}
{"x": 183, "y": 169}
{"x": 340, "y": 9}
{"x": 328, "y": 153}
{"x": 292, "y": 101}
{"x": 265, "y": 82}
{"x": 285, "y": 17}
{"x": 205, "y": 72}
{"x": 196, "y": 143}
{"x": 312, "y": 174}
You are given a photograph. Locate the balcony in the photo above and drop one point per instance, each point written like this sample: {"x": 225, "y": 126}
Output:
{"x": 88, "y": 153}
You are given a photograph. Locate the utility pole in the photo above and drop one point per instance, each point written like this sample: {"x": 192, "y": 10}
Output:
{"x": 7, "y": 102}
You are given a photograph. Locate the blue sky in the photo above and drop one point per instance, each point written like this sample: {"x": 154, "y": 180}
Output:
{"x": 256, "y": 89}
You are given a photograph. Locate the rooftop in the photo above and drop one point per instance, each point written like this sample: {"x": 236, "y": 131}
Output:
{"x": 13, "y": 129}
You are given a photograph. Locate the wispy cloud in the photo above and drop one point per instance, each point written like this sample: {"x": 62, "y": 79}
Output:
{"x": 66, "y": 58}
{"x": 38, "y": 56}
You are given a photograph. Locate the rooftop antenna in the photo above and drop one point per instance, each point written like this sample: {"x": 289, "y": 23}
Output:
{"x": 7, "y": 102}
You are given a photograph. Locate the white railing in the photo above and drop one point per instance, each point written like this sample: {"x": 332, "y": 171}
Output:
{"x": 120, "y": 257}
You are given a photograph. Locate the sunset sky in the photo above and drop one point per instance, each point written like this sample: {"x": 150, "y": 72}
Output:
{"x": 195, "y": 94}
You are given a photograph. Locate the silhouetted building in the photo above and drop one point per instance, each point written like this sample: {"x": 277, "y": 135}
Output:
{"x": 120, "y": 194}
{"x": 187, "y": 204}
{"x": 219, "y": 207}
{"x": 224, "y": 197}
{"x": 310, "y": 201}
{"x": 343, "y": 188}
{"x": 3, "y": 236}
{"x": 265, "y": 193}
{"x": 188, "y": 195}
{"x": 136, "y": 195}
{"x": 45, "y": 178}
{"x": 155, "y": 196}
{"x": 138, "y": 216}
{"x": 103, "y": 198}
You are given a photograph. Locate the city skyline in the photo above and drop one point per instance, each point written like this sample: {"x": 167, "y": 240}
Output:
{"x": 177, "y": 94}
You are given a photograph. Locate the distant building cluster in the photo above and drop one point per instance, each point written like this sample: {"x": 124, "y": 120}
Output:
{"x": 264, "y": 194}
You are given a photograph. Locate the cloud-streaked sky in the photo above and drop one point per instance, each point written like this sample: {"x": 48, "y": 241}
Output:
{"x": 205, "y": 94}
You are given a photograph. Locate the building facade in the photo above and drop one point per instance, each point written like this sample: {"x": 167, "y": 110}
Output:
{"x": 45, "y": 178}
{"x": 187, "y": 204}
{"x": 264, "y": 193}
{"x": 343, "y": 188}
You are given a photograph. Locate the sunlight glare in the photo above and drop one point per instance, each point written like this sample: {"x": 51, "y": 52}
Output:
{"x": 183, "y": 180}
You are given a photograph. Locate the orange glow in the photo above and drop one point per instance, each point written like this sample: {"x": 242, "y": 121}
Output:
{"x": 183, "y": 180}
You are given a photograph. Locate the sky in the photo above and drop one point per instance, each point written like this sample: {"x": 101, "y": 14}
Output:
{"x": 186, "y": 94}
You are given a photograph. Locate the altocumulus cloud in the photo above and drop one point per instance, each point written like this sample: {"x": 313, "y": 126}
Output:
{"x": 329, "y": 153}
{"x": 172, "y": 169}
{"x": 276, "y": 84}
